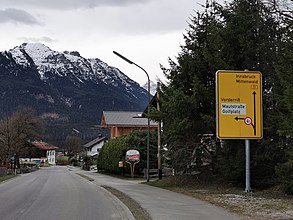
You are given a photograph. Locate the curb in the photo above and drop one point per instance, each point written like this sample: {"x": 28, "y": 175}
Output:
{"x": 124, "y": 211}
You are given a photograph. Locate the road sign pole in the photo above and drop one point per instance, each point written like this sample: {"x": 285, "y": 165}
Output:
{"x": 247, "y": 166}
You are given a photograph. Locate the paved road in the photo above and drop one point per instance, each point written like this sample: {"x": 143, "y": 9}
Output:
{"x": 162, "y": 204}
{"x": 57, "y": 193}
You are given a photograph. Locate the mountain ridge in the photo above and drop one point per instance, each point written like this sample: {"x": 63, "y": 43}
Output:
{"x": 65, "y": 89}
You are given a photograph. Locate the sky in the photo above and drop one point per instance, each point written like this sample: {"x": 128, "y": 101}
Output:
{"x": 147, "y": 32}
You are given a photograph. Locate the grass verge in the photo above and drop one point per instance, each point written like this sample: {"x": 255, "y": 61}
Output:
{"x": 7, "y": 177}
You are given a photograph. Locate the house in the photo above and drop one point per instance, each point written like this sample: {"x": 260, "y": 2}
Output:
{"x": 93, "y": 147}
{"x": 48, "y": 151}
{"x": 121, "y": 122}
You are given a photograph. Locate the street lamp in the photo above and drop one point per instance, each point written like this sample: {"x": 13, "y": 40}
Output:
{"x": 148, "y": 135}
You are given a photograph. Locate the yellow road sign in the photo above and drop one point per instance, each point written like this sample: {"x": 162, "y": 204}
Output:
{"x": 239, "y": 104}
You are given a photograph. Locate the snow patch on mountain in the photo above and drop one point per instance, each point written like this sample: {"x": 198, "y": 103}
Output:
{"x": 153, "y": 87}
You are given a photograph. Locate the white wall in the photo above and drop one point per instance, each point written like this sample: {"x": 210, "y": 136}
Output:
{"x": 94, "y": 150}
{"x": 51, "y": 157}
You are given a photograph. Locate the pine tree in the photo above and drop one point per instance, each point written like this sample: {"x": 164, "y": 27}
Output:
{"x": 284, "y": 72}
{"x": 188, "y": 102}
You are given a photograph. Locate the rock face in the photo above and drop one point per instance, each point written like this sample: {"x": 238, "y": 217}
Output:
{"x": 66, "y": 90}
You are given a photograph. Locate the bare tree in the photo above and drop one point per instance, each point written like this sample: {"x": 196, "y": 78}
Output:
{"x": 284, "y": 8}
{"x": 72, "y": 145}
{"x": 7, "y": 139}
{"x": 16, "y": 131}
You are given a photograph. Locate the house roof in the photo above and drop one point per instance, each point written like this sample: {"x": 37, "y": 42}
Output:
{"x": 44, "y": 146}
{"x": 95, "y": 141}
{"x": 153, "y": 103}
{"x": 125, "y": 119}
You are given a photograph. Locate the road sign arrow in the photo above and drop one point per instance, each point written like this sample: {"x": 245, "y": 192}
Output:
{"x": 237, "y": 118}
{"x": 254, "y": 113}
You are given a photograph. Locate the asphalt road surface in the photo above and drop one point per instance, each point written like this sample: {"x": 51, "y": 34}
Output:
{"x": 57, "y": 193}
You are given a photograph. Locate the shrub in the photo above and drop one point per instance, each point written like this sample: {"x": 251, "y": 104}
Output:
{"x": 115, "y": 149}
{"x": 285, "y": 172}
{"x": 62, "y": 160}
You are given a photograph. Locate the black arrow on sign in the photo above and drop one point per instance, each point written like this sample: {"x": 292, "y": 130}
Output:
{"x": 237, "y": 118}
{"x": 254, "y": 112}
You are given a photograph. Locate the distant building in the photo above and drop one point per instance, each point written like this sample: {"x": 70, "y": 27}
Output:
{"x": 121, "y": 123}
{"x": 49, "y": 151}
{"x": 94, "y": 147}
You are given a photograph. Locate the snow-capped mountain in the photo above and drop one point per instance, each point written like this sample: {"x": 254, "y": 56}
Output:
{"x": 153, "y": 87}
{"x": 70, "y": 64}
{"x": 64, "y": 87}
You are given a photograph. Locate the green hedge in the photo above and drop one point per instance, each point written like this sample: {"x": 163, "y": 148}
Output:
{"x": 62, "y": 160}
{"x": 115, "y": 150}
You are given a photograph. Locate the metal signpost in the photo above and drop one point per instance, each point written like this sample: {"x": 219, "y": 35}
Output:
{"x": 239, "y": 109}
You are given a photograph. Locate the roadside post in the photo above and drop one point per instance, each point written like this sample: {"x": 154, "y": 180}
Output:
{"x": 12, "y": 162}
{"x": 121, "y": 167}
{"x": 160, "y": 173}
{"x": 132, "y": 158}
{"x": 239, "y": 109}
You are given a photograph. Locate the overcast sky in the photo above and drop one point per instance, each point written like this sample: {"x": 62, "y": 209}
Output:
{"x": 145, "y": 31}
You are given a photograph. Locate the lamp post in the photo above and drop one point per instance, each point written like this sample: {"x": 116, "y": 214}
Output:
{"x": 148, "y": 135}
{"x": 79, "y": 136}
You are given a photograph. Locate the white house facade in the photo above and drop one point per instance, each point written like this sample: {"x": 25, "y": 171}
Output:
{"x": 94, "y": 147}
{"x": 51, "y": 157}
{"x": 50, "y": 151}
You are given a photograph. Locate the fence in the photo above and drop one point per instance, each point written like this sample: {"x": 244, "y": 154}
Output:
{"x": 154, "y": 172}
{"x": 3, "y": 171}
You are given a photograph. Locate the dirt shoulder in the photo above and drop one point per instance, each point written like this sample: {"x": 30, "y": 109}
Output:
{"x": 259, "y": 205}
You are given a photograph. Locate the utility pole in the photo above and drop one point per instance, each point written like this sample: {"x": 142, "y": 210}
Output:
{"x": 159, "y": 133}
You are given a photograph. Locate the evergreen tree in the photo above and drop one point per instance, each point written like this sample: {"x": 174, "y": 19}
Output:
{"x": 243, "y": 34}
{"x": 188, "y": 102}
{"x": 284, "y": 72}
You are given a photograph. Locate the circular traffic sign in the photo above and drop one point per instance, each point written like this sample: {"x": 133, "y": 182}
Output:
{"x": 247, "y": 120}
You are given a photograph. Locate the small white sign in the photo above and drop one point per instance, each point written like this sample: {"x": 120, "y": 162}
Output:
{"x": 132, "y": 156}
{"x": 233, "y": 109}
